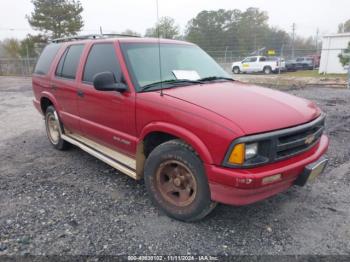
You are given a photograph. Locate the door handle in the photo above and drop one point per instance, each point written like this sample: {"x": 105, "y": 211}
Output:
{"x": 80, "y": 93}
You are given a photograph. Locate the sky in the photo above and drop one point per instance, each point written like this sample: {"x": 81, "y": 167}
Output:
{"x": 138, "y": 15}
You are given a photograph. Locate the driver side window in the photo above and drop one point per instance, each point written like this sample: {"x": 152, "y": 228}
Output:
{"x": 101, "y": 58}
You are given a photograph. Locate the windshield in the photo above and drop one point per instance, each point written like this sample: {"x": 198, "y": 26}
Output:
{"x": 179, "y": 61}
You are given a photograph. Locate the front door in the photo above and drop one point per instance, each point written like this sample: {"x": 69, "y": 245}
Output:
{"x": 106, "y": 117}
{"x": 249, "y": 64}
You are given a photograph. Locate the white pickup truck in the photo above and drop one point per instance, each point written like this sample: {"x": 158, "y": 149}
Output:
{"x": 253, "y": 64}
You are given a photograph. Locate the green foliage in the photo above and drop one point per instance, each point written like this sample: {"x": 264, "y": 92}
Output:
{"x": 57, "y": 18}
{"x": 243, "y": 32}
{"x": 344, "y": 57}
{"x": 344, "y": 27}
{"x": 28, "y": 47}
{"x": 166, "y": 28}
{"x": 12, "y": 48}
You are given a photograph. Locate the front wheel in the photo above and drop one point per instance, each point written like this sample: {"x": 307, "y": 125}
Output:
{"x": 236, "y": 70}
{"x": 176, "y": 181}
{"x": 53, "y": 129}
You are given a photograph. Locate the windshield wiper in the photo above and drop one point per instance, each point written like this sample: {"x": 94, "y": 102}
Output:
{"x": 214, "y": 78}
{"x": 172, "y": 82}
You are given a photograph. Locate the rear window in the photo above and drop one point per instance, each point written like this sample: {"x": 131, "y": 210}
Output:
{"x": 43, "y": 65}
{"x": 68, "y": 65}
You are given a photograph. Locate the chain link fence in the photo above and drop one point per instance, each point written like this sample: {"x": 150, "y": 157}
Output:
{"x": 25, "y": 66}
{"x": 17, "y": 67}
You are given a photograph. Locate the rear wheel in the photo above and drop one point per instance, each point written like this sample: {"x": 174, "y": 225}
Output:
{"x": 267, "y": 70}
{"x": 176, "y": 181}
{"x": 53, "y": 129}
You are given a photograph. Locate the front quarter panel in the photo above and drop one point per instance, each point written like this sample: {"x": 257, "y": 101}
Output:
{"x": 208, "y": 133}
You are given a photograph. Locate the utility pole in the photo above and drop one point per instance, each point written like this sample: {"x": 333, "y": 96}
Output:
{"x": 226, "y": 54}
{"x": 316, "y": 44}
{"x": 293, "y": 38}
{"x": 317, "y": 32}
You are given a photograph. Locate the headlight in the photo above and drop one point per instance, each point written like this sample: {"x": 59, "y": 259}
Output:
{"x": 242, "y": 152}
{"x": 251, "y": 150}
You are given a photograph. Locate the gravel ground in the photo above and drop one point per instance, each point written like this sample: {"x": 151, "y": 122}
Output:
{"x": 56, "y": 202}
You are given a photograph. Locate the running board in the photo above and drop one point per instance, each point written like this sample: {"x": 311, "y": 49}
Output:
{"x": 111, "y": 157}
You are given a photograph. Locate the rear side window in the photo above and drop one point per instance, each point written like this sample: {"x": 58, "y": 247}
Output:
{"x": 68, "y": 65}
{"x": 102, "y": 58}
{"x": 43, "y": 65}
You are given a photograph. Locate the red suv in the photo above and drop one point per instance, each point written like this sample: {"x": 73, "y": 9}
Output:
{"x": 165, "y": 111}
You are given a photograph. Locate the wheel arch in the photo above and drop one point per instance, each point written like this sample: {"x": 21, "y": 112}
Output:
{"x": 173, "y": 132}
{"x": 46, "y": 100}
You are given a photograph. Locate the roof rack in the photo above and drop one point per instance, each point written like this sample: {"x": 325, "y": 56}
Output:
{"x": 83, "y": 37}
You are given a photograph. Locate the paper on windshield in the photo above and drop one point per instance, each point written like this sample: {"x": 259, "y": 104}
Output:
{"x": 186, "y": 74}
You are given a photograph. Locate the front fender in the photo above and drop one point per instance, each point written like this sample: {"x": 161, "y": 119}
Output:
{"x": 195, "y": 142}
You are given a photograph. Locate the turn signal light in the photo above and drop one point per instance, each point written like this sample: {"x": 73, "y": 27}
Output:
{"x": 237, "y": 154}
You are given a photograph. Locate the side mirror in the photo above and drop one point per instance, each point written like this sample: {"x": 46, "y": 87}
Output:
{"x": 105, "y": 81}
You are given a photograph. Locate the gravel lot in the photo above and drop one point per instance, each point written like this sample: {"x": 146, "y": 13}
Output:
{"x": 56, "y": 202}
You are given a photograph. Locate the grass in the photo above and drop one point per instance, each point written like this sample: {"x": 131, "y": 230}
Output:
{"x": 314, "y": 73}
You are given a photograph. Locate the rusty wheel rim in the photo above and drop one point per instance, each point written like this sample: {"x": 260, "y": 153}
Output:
{"x": 52, "y": 128}
{"x": 176, "y": 183}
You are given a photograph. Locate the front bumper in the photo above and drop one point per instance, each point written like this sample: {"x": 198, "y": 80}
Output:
{"x": 245, "y": 186}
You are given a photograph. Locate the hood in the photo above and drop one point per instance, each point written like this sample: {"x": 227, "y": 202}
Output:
{"x": 254, "y": 109}
{"x": 237, "y": 63}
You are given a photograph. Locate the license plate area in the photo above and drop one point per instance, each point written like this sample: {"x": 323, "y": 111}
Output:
{"x": 312, "y": 171}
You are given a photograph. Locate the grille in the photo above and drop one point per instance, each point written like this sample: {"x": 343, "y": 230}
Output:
{"x": 281, "y": 144}
{"x": 297, "y": 141}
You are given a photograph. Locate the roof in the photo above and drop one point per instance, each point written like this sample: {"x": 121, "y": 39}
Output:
{"x": 116, "y": 37}
{"x": 338, "y": 35}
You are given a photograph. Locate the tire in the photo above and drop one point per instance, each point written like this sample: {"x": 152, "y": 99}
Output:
{"x": 53, "y": 129}
{"x": 176, "y": 181}
{"x": 236, "y": 70}
{"x": 267, "y": 70}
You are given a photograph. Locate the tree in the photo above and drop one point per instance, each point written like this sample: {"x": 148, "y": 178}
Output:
{"x": 31, "y": 45}
{"x": 57, "y": 18}
{"x": 239, "y": 33}
{"x": 214, "y": 29}
{"x": 166, "y": 28}
{"x": 243, "y": 32}
{"x": 344, "y": 27}
{"x": 28, "y": 47}
{"x": 344, "y": 57}
{"x": 12, "y": 48}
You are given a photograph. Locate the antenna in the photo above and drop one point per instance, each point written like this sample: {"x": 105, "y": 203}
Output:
{"x": 159, "y": 53}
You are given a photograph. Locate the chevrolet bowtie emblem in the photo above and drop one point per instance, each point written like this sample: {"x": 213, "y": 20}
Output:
{"x": 309, "y": 139}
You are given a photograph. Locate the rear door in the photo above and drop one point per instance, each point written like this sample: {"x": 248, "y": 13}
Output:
{"x": 65, "y": 85}
{"x": 259, "y": 66}
{"x": 107, "y": 117}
